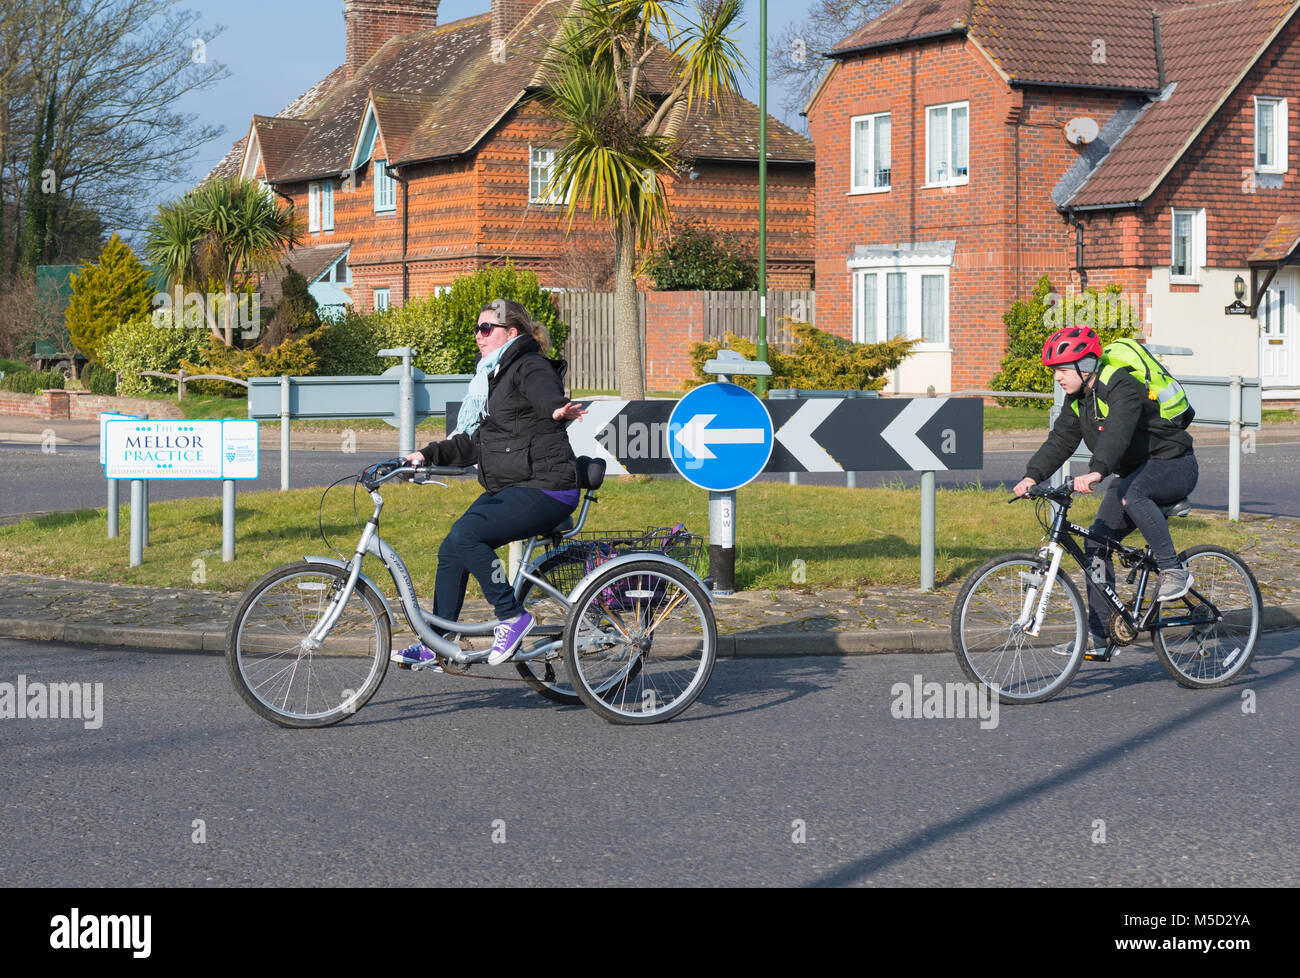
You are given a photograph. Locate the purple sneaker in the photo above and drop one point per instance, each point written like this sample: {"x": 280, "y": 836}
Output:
{"x": 509, "y": 634}
{"x": 416, "y": 655}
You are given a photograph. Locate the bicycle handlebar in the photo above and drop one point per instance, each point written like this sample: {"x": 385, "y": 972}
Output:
{"x": 1058, "y": 494}
{"x": 375, "y": 475}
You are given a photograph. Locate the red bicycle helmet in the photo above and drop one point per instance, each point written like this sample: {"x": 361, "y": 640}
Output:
{"x": 1070, "y": 345}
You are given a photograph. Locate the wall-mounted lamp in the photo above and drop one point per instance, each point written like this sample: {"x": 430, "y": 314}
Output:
{"x": 1239, "y": 287}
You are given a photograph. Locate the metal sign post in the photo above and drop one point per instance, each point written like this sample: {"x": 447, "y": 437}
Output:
{"x": 139, "y": 449}
{"x": 401, "y": 396}
{"x": 720, "y": 438}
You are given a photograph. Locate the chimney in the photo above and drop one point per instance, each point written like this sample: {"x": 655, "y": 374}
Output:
{"x": 506, "y": 15}
{"x": 371, "y": 23}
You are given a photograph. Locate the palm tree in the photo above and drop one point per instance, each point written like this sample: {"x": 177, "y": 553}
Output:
{"x": 617, "y": 142}
{"x": 226, "y": 230}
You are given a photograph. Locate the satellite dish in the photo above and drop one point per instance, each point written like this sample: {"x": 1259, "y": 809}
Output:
{"x": 1081, "y": 131}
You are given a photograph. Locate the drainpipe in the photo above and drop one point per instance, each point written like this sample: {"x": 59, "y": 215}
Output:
{"x": 1078, "y": 248}
{"x": 406, "y": 212}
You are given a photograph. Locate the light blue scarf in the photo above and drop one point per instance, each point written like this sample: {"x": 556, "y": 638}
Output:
{"x": 474, "y": 408}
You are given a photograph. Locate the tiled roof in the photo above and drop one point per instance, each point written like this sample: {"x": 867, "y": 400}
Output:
{"x": 909, "y": 20}
{"x": 1058, "y": 42}
{"x": 299, "y": 108}
{"x": 1281, "y": 241}
{"x": 1207, "y": 50}
{"x": 278, "y": 139}
{"x": 438, "y": 92}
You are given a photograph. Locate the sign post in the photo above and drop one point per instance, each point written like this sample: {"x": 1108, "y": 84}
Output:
{"x": 139, "y": 450}
{"x": 113, "y": 503}
{"x": 720, "y": 438}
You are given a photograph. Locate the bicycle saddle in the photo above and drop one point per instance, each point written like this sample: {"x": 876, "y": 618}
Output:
{"x": 1180, "y": 508}
{"x": 591, "y": 472}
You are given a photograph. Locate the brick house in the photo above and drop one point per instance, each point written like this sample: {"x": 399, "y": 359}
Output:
{"x": 967, "y": 148}
{"x": 424, "y": 157}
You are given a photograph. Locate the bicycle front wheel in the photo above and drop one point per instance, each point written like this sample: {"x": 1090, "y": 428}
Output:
{"x": 1224, "y": 611}
{"x": 278, "y": 675}
{"x": 641, "y": 642}
{"x": 989, "y": 635}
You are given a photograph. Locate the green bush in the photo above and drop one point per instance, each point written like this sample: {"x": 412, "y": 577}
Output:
{"x": 441, "y": 328}
{"x": 697, "y": 258}
{"x": 1030, "y": 321}
{"x": 113, "y": 291}
{"x": 347, "y": 345}
{"x": 12, "y": 367}
{"x": 100, "y": 380}
{"x": 31, "y": 381}
{"x": 817, "y": 360}
{"x": 140, "y": 345}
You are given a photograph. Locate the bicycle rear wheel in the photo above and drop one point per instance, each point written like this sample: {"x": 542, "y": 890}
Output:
{"x": 995, "y": 650}
{"x": 641, "y": 642}
{"x": 1226, "y": 610}
{"x": 288, "y": 683}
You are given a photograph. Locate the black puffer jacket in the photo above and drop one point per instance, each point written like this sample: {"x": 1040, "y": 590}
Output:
{"x": 1118, "y": 422}
{"x": 518, "y": 442}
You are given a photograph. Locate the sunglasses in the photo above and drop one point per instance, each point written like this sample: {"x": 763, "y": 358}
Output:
{"x": 485, "y": 329}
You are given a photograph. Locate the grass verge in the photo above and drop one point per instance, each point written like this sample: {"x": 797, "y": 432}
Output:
{"x": 812, "y": 537}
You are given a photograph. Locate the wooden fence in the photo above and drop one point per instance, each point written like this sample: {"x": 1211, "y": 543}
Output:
{"x": 590, "y": 347}
{"x": 590, "y": 315}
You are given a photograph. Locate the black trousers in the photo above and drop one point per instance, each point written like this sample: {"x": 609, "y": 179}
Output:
{"x": 1133, "y": 503}
{"x": 492, "y": 521}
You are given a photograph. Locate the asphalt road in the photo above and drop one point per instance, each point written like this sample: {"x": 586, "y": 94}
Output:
{"x": 1124, "y": 779}
{"x": 72, "y": 478}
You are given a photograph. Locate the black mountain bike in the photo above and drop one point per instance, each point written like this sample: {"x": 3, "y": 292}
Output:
{"x": 1020, "y": 625}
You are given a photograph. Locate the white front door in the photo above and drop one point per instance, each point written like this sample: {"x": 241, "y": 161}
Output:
{"x": 1277, "y": 327}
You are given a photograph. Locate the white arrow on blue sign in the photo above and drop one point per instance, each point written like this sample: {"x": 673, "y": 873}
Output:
{"x": 721, "y": 437}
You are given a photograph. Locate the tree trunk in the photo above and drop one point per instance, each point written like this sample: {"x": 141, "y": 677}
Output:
{"x": 627, "y": 331}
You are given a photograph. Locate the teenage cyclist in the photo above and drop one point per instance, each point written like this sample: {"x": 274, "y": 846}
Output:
{"x": 1151, "y": 457}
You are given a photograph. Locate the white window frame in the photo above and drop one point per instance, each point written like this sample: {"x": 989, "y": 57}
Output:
{"x": 914, "y": 269}
{"x": 382, "y": 299}
{"x": 385, "y": 188}
{"x": 1279, "y": 148}
{"x": 546, "y": 170}
{"x": 1195, "y": 248}
{"x": 948, "y": 107}
{"x": 313, "y": 207}
{"x": 327, "y": 206}
{"x": 871, "y": 121}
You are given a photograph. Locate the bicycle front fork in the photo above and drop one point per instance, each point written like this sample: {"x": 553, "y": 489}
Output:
{"x": 1039, "y": 591}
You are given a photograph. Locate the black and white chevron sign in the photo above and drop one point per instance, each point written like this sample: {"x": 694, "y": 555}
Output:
{"x": 812, "y": 435}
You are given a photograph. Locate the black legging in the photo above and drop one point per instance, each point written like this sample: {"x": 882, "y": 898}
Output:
{"x": 492, "y": 521}
{"x": 1133, "y": 503}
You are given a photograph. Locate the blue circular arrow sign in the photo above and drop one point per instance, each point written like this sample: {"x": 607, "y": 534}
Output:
{"x": 720, "y": 437}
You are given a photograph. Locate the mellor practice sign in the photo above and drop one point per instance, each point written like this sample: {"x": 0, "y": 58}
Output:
{"x": 180, "y": 449}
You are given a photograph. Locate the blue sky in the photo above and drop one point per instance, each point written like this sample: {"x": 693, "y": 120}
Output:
{"x": 276, "y": 49}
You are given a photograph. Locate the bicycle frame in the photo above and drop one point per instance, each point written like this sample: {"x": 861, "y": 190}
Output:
{"x": 424, "y": 623}
{"x": 1061, "y": 540}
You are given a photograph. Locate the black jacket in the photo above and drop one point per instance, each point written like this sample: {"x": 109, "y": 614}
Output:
{"x": 1118, "y": 422}
{"x": 518, "y": 443}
